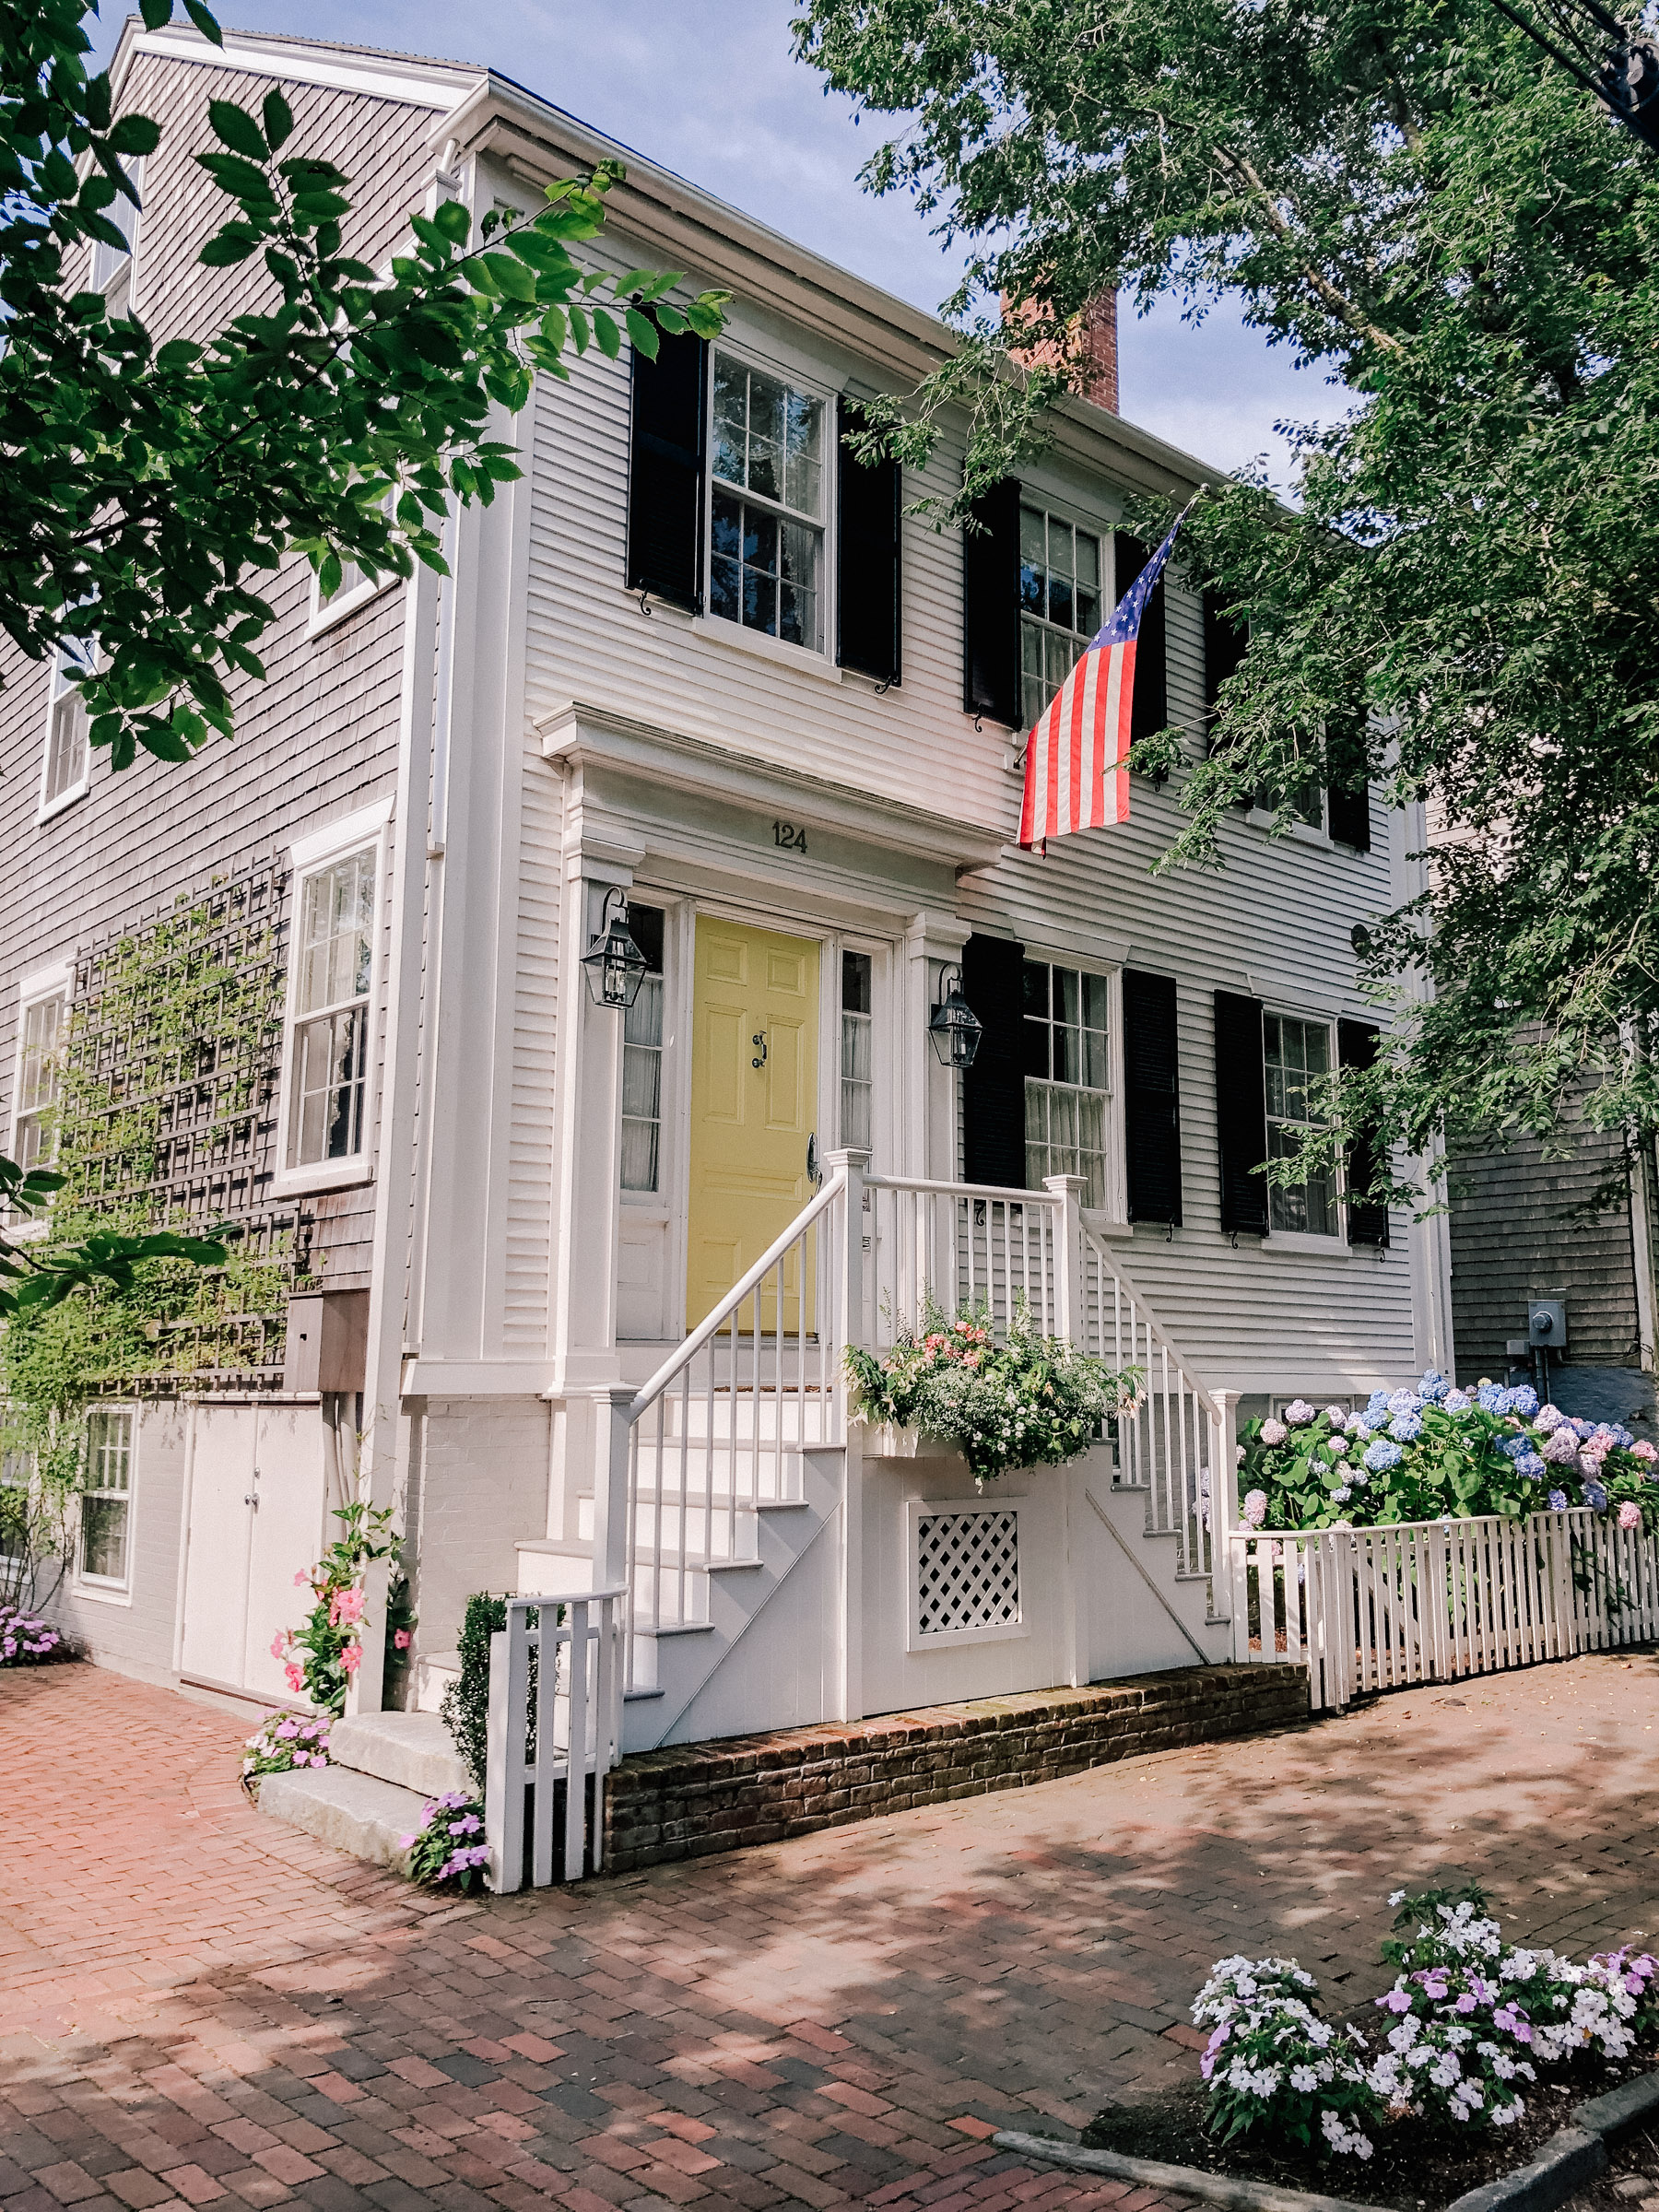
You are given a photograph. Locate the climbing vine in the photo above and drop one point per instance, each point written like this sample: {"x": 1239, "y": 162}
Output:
{"x": 164, "y": 1119}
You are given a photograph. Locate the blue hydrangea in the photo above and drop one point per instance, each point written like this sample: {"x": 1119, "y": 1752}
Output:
{"x": 1381, "y": 1456}
{"x": 1405, "y": 1401}
{"x": 1518, "y": 1447}
{"x": 1491, "y": 1397}
{"x": 1376, "y": 1404}
{"x": 1522, "y": 1399}
{"x": 1595, "y": 1496}
{"x": 1359, "y": 1425}
{"x": 1558, "y": 1501}
{"x": 1406, "y": 1428}
{"x": 1458, "y": 1401}
{"x": 1531, "y": 1466}
{"x": 1622, "y": 1436}
{"x": 1583, "y": 1430}
{"x": 1433, "y": 1386}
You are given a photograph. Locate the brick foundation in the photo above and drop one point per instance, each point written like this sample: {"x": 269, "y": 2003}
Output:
{"x": 691, "y": 1800}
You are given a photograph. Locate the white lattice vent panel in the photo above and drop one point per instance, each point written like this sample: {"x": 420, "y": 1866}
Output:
{"x": 967, "y": 1572}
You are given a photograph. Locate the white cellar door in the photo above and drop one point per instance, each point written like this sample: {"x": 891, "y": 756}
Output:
{"x": 215, "y": 1575}
{"x": 287, "y": 1537}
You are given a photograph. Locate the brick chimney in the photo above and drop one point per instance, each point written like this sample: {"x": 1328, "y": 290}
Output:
{"x": 1092, "y": 349}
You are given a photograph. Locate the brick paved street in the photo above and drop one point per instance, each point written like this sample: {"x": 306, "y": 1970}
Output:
{"x": 202, "y": 2007}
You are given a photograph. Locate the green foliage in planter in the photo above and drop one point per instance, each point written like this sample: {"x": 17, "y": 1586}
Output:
{"x": 1032, "y": 1401}
{"x": 464, "y": 1709}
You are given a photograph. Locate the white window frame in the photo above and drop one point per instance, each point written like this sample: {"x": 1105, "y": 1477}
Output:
{"x": 1336, "y": 1245}
{"x": 110, "y": 1589}
{"x": 1116, "y": 1213}
{"x": 1105, "y": 537}
{"x": 820, "y": 658}
{"x": 44, "y": 983}
{"x": 326, "y": 615}
{"x": 309, "y": 857}
{"x": 120, "y": 268}
{"x": 916, "y": 1511}
{"x": 56, "y": 691}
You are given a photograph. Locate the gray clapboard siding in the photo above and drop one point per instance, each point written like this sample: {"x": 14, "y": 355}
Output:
{"x": 314, "y": 742}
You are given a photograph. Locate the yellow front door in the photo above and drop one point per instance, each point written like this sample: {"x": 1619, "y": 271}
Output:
{"x": 754, "y": 1105}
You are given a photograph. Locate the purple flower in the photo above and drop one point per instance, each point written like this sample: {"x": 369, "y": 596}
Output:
{"x": 1405, "y": 1401}
{"x": 1255, "y": 1507}
{"x": 1397, "y": 2000}
{"x": 1558, "y": 1501}
{"x": 1595, "y": 1497}
{"x": 1458, "y": 1401}
{"x": 1548, "y": 1417}
{"x": 1299, "y": 1413}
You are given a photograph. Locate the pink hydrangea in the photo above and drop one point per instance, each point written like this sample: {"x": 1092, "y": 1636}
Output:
{"x": 1255, "y": 1507}
{"x": 1338, "y": 1444}
{"x": 1337, "y": 1415}
{"x": 1273, "y": 1433}
{"x": 1629, "y": 1514}
{"x": 1642, "y": 1448}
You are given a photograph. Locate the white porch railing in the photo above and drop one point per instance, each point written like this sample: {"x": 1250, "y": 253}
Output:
{"x": 555, "y": 1716}
{"x": 1380, "y": 1608}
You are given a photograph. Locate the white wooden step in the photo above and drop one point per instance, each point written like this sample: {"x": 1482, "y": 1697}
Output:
{"x": 413, "y": 1750}
{"x": 358, "y": 1813}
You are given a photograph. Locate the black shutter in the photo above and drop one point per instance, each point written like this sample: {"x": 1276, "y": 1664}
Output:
{"x": 1152, "y": 1097}
{"x": 1149, "y": 708}
{"x": 1240, "y": 1112}
{"x": 1224, "y": 645}
{"x": 1366, "y": 1219}
{"x": 867, "y": 593}
{"x": 665, "y": 469}
{"x": 993, "y": 1088}
{"x": 1349, "y": 796}
{"x": 990, "y": 606}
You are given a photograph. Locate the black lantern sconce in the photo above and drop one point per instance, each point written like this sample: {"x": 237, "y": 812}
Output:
{"x": 616, "y": 967}
{"x": 953, "y": 1025}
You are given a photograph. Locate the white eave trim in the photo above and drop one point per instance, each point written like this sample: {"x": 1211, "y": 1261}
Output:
{"x": 377, "y": 76}
{"x": 580, "y": 734}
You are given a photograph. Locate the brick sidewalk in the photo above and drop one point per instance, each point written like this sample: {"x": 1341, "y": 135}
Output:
{"x": 203, "y": 2007}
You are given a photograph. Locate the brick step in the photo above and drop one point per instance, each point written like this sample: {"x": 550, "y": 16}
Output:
{"x": 689, "y": 1800}
{"x": 413, "y": 1750}
{"x": 358, "y": 1813}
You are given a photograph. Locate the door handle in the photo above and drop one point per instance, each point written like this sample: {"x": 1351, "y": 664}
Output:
{"x": 815, "y": 1174}
{"x": 760, "y": 1038}
{"x": 251, "y": 1497}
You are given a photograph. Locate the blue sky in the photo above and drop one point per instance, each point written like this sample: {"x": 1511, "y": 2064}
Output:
{"x": 708, "y": 88}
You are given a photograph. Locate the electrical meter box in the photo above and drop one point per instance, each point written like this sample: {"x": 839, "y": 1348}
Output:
{"x": 1546, "y": 1322}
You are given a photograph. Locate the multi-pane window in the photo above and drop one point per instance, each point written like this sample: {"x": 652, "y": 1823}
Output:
{"x": 112, "y": 266}
{"x": 1296, "y": 1055}
{"x": 107, "y": 1495}
{"x": 857, "y": 1080}
{"x": 1059, "y": 603}
{"x": 334, "y": 972}
{"x": 1068, "y": 1079}
{"x": 39, "y": 1081}
{"x": 643, "y": 1060}
{"x": 766, "y": 554}
{"x": 66, "y": 770}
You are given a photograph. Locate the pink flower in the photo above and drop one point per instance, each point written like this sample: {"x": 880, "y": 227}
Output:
{"x": 351, "y": 1657}
{"x": 302, "y": 1579}
{"x": 1629, "y": 1514}
{"x": 1255, "y": 1507}
{"x": 295, "y": 1676}
{"x": 1273, "y": 1433}
{"x": 344, "y": 1607}
{"x": 1642, "y": 1448}
{"x": 401, "y": 1639}
{"x": 279, "y": 1644}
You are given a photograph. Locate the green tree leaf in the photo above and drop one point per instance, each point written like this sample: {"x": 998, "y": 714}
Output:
{"x": 237, "y": 129}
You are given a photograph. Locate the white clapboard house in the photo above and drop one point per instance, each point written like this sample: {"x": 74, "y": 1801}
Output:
{"x": 569, "y": 1282}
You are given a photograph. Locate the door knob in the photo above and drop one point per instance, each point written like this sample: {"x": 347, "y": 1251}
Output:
{"x": 758, "y": 1038}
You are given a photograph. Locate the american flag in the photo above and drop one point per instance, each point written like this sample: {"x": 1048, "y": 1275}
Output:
{"x": 1077, "y": 757}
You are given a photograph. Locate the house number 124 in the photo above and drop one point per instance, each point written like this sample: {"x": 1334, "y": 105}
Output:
{"x": 790, "y": 838}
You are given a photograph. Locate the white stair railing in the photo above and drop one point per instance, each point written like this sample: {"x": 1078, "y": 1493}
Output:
{"x": 973, "y": 1245}
{"x": 555, "y": 1716}
{"x": 1433, "y": 1601}
{"x": 718, "y": 1430}
{"x": 1179, "y": 1442}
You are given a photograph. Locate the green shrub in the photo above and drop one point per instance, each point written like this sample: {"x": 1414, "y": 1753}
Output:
{"x": 464, "y": 1709}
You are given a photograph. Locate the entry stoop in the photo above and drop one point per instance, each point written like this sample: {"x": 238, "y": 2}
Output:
{"x": 691, "y": 1800}
{"x": 384, "y": 1769}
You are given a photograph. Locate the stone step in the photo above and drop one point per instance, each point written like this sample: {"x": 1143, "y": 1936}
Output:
{"x": 413, "y": 1750}
{"x": 358, "y": 1813}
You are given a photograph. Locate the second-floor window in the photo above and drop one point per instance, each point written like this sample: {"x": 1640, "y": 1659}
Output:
{"x": 40, "y": 1082}
{"x": 1068, "y": 1078}
{"x": 333, "y": 977}
{"x": 113, "y": 269}
{"x": 64, "y": 775}
{"x": 766, "y": 543}
{"x": 1059, "y": 603}
{"x": 1296, "y": 1058}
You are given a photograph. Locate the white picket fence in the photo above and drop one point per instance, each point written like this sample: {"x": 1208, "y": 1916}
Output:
{"x": 561, "y": 1728}
{"x": 1434, "y": 1601}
